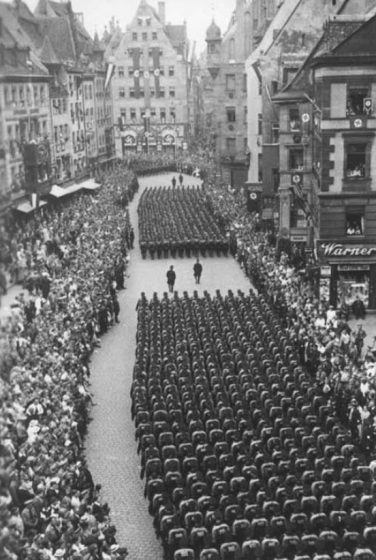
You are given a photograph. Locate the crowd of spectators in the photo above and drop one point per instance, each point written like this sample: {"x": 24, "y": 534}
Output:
{"x": 178, "y": 221}
{"x": 75, "y": 259}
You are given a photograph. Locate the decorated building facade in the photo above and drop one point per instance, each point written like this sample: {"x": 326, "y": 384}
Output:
{"x": 150, "y": 84}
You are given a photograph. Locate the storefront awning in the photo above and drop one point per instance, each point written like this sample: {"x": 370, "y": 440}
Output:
{"x": 90, "y": 185}
{"x": 26, "y": 207}
{"x": 59, "y": 192}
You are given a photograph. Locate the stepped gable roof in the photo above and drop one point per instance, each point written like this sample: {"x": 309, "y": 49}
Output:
{"x": 213, "y": 32}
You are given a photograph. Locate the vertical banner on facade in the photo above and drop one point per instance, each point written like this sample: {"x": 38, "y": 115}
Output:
{"x": 156, "y": 70}
{"x": 136, "y": 72}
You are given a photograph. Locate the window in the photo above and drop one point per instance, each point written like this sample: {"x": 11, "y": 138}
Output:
{"x": 121, "y": 71}
{"x": 245, "y": 114}
{"x": 139, "y": 21}
{"x": 230, "y": 82}
{"x": 231, "y": 146}
{"x": 294, "y": 119}
{"x": 260, "y": 87}
{"x": 260, "y": 174}
{"x": 134, "y": 36}
{"x": 171, "y": 71}
{"x": 121, "y": 92}
{"x": 259, "y": 124}
{"x": 231, "y": 49}
{"x": 123, "y": 115}
{"x": 211, "y": 48}
{"x": 163, "y": 115}
{"x": 354, "y": 220}
{"x": 133, "y": 114}
{"x": 142, "y": 92}
{"x": 148, "y": 21}
{"x": 231, "y": 114}
{"x": 296, "y": 160}
{"x": 154, "y": 35}
{"x": 172, "y": 116}
{"x": 356, "y": 160}
{"x": 144, "y": 36}
{"x": 161, "y": 92}
{"x": 288, "y": 74}
{"x": 275, "y": 133}
{"x": 275, "y": 176}
{"x": 161, "y": 71}
{"x": 131, "y": 92}
{"x": 355, "y": 101}
{"x": 172, "y": 92}
{"x": 152, "y": 92}
{"x": 130, "y": 71}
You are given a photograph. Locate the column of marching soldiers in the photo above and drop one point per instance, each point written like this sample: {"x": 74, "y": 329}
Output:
{"x": 242, "y": 453}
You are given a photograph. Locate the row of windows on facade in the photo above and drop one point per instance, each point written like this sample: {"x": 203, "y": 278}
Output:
{"x": 356, "y": 160}
{"x": 25, "y": 130}
{"x": 135, "y": 115}
{"x": 25, "y": 95}
{"x": 170, "y": 71}
{"x": 153, "y": 93}
{"x": 144, "y": 36}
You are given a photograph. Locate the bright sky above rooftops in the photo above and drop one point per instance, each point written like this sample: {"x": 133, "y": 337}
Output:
{"x": 197, "y": 13}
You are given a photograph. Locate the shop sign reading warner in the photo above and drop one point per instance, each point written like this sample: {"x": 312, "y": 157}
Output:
{"x": 328, "y": 250}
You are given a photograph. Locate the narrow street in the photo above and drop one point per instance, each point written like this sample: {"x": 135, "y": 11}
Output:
{"x": 110, "y": 445}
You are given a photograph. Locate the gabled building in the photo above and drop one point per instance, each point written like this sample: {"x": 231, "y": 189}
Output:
{"x": 287, "y": 44}
{"x": 150, "y": 85}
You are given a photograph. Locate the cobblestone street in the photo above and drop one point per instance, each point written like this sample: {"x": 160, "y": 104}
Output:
{"x": 110, "y": 445}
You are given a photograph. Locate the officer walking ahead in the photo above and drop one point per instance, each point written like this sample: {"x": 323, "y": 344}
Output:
{"x": 197, "y": 271}
{"x": 171, "y": 277}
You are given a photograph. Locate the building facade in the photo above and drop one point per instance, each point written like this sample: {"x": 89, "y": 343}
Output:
{"x": 345, "y": 90}
{"x": 25, "y": 115}
{"x": 150, "y": 84}
{"x": 287, "y": 44}
{"x": 224, "y": 84}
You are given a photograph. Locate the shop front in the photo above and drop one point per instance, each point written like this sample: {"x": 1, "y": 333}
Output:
{"x": 347, "y": 273}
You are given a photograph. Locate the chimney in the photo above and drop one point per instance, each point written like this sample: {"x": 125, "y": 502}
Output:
{"x": 162, "y": 12}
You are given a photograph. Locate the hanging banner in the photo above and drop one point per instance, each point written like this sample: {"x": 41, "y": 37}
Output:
{"x": 136, "y": 72}
{"x": 157, "y": 71}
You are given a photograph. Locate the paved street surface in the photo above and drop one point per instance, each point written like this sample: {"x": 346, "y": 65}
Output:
{"x": 110, "y": 445}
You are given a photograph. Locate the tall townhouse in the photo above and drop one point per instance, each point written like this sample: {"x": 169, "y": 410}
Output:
{"x": 280, "y": 158}
{"x": 344, "y": 85}
{"x": 61, "y": 144}
{"x": 88, "y": 86}
{"x": 225, "y": 85}
{"x": 25, "y": 114}
{"x": 150, "y": 90}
